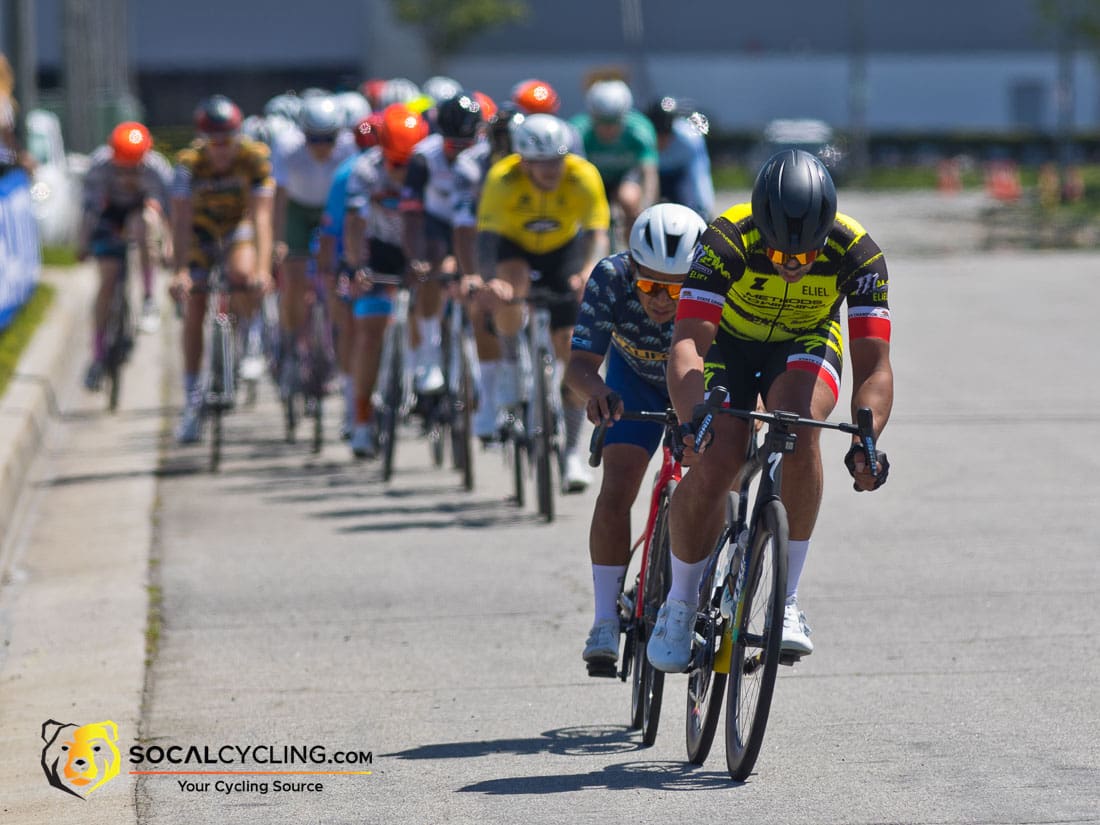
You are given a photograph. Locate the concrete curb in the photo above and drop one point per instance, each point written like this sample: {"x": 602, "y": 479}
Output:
{"x": 31, "y": 396}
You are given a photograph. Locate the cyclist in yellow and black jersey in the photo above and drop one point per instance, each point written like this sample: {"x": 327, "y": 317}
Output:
{"x": 760, "y": 315}
{"x": 542, "y": 210}
{"x": 222, "y": 204}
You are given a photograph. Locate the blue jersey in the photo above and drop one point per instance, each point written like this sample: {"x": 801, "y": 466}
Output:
{"x": 612, "y": 316}
{"x": 332, "y": 218}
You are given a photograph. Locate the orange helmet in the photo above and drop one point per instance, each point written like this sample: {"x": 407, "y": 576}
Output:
{"x": 536, "y": 97}
{"x": 488, "y": 105}
{"x": 129, "y": 142}
{"x": 402, "y": 129}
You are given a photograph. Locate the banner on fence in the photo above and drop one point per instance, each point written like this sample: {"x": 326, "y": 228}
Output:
{"x": 20, "y": 259}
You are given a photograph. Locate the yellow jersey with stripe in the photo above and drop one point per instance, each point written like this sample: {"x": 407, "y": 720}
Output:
{"x": 219, "y": 199}
{"x": 539, "y": 220}
{"x": 733, "y": 283}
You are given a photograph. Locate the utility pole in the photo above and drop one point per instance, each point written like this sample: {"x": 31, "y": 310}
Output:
{"x": 97, "y": 69}
{"x": 857, "y": 89}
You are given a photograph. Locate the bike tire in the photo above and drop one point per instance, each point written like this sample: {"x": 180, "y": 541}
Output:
{"x": 706, "y": 687}
{"x": 462, "y": 424}
{"x": 544, "y": 435}
{"x": 118, "y": 340}
{"x": 392, "y": 400}
{"x": 216, "y": 389}
{"x": 519, "y": 450}
{"x": 755, "y": 659}
{"x": 318, "y": 426}
{"x": 648, "y": 683}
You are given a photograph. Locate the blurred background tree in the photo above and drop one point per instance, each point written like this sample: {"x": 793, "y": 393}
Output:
{"x": 448, "y": 25}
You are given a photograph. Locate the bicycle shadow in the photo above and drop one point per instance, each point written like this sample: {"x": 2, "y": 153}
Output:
{"x": 589, "y": 740}
{"x": 626, "y": 776}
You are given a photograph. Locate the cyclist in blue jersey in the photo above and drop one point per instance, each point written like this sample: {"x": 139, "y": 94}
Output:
{"x": 683, "y": 164}
{"x": 627, "y": 319}
{"x": 621, "y": 143}
{"x": 330, "y": 250}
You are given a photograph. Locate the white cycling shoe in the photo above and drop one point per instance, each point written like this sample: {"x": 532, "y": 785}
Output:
{"x": 669, "y": 647}
{"x": 602, "y": 646}
{"x": 796, "y": 632}
{"x": 576, "y": 477}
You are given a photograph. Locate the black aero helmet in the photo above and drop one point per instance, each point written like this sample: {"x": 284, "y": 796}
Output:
{"x": 459, "y": 116}
{"x": 662, "y": 113}
{"x": 217, "y": 115}
{"x": 794, "y": 202}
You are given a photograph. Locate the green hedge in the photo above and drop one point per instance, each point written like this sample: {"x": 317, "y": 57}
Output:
{"x": 15, "y": 338}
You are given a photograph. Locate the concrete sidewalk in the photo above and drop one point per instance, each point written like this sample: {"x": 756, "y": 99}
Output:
{"x": 79, "y": 499}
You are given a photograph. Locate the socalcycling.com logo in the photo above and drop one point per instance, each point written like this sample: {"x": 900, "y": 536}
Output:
{"x": 79, "y": 759}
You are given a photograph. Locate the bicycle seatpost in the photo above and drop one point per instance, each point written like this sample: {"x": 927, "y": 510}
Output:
{"x": 704, "y": 413}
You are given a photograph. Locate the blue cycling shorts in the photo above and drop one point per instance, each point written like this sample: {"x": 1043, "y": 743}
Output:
{"x": 637, "y": 394}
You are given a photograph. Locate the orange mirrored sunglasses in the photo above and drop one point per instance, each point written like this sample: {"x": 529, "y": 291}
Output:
{"x": 781, "y": 258}
{"x": 649, "y": 287}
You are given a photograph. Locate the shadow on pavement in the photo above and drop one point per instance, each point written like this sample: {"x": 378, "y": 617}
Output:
{"x": 590, "y": 740}
{"x": 628, "y": 776}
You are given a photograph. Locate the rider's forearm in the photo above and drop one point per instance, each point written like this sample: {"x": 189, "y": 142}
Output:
{"x": 651, "y": 184}
{"x": 686, "y": 384}
{"x": 412, "y": 225}
{"x": 876, "y": 391}
{"x": 465, "y": 240}
{"x": 354, "y": 227}
{"x": 181, "y": 231}
{"x": 326, "y": 253}
{"x": 583, "y": 377}
{"x": 261, "y": 213}
{"x": 593, "y": 244}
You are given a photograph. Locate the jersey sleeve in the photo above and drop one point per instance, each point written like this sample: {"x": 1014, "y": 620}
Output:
{"x": 646, "y": 138}
{"x": 866, "y": 288}
{"x": 491, "y": 207}
{"x": 184, "y": 173}
{"x": 595, "y": 321}
{"x": 467, "y": 182}
{"x": 718, "y": 262}
{"x": 95, "y": 186}
{"x": 332, "y": 216}
{"x": 263, "y": 182}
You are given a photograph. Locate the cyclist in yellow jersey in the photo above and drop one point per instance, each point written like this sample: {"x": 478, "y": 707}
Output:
{"x": 222, "y": 198}
{"x": 542, "y": 210}
{"x": 760, "y": 314}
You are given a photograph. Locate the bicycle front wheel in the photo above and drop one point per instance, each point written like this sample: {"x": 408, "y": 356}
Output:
{"x": 393, "y": 397}
{"x": 648, "y": 683}
{"x": 707, "y": 682}
{"x": 544, "y": 435}
{"x": 755, "y": 658}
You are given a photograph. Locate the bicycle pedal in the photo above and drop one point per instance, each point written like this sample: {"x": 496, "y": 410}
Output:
{"x": 789, "y": 659}
{"x": 604, "y": 669}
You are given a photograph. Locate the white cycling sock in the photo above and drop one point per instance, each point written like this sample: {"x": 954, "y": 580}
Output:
{"x": 796, "y": 558}
{"x": 190, "y": 382}
{"x": 607, "y": 582}
{"x": 685, "y": 580}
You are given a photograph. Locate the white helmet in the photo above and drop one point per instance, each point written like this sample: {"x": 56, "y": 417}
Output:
{"x": 541, "y": 137}
{"x": 441, "y": 88}
{"x": 663, "y": 238}
{"x": 285, "y": 105}
{"x": 320, "y": 116}
{"x": 399, "y": 90}
{"x": 610, "y": 99}
{"x": 354, "y": 107}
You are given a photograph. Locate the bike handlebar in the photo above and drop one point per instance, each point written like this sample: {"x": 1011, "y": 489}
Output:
{"x": 600, "y": 433}
{"x": 863, "y": 428}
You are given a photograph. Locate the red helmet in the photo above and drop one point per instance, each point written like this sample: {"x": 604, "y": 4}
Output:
{"x": 367, "y": 130}
{"x": 372, "y": 91}
{"x": 536, "y": 97}
{"x": 488, "y": 105}
{"x": 402, "y": 129}
{"x": 130, "y": 141}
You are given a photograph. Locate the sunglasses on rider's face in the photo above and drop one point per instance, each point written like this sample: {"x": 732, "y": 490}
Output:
{"x": 320, "y": 140}
{"x": 782, "y": 258}
{"x": 653, "y": 287}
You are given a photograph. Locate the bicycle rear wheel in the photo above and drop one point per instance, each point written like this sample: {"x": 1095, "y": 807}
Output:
{"x": 461, "y": 419}
{"x": 544, "y": 434}
{"x": 215, "y": 392}
{"x": 648, "y": 683}
{"x": 119, "y": 340}
{"x": 519, "y": 452}
{"x": 755, "y": 658}
{"x": 707, "y": 682}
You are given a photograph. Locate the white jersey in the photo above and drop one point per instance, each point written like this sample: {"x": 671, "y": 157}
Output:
{"x": 376, "y": 197}
{"x": 306, "y": 180}
{"x": 104, "y": 187}
{"x": 429, "y": 184}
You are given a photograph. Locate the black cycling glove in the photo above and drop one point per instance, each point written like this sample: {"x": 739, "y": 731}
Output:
{"x": 883, "y": 464}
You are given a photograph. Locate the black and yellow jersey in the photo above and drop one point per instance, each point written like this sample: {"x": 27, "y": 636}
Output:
{"x": 537, "y": 220}
{"x": 733, "y": 283}
{"x": 219, "y": 200}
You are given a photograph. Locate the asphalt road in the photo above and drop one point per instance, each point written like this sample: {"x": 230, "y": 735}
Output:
{"x": 302, "y": 602}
